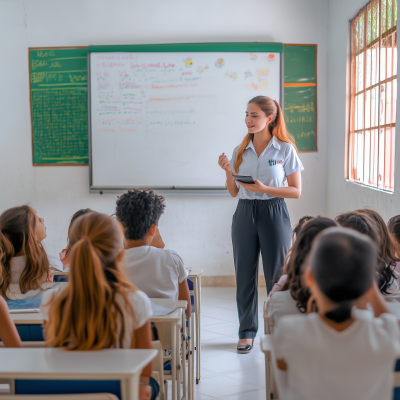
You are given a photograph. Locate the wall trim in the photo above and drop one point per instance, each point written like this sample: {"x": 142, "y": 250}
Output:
{"x": 225, "y": 281}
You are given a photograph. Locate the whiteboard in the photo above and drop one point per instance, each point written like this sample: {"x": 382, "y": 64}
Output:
{"x": 161, "y": 119}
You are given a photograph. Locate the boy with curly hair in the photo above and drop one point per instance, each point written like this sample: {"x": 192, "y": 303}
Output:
{"x": 158, "y": 272}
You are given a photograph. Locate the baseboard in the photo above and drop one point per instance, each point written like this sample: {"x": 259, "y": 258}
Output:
{"x": 225, "y": 281}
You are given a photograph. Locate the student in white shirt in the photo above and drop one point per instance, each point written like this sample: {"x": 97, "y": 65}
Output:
{"x": 336, "y": 354}
{"x": 159, "y": 273}
{"x": 293, "y": 297}
{"x": 98, "y": 308}
{"x": 24, "y": 265}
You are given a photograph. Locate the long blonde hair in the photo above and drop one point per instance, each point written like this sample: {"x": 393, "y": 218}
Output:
{"x": 17, "y": 236}
{"x": 86, "y": 315}
{"x": 277, "y": 127}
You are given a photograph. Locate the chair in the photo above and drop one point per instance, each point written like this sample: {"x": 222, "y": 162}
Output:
{"x": 97, "y": 396}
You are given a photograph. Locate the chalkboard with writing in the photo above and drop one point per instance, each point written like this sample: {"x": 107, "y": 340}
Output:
{"x": 59, "y": 105}
{"x": 301, "y": 95}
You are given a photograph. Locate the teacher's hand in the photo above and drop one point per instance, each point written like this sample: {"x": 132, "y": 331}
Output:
{"x": 254, "y": 187}
{"x": 224, "y": 163}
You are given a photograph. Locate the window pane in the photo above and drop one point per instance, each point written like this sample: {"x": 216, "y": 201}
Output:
{"x": 381, "y": 157}
{"x": 389, "y": 158}
{"x": 374, "y": 158}
{"x": 382, "y": 104}
{"x": 368, "y": 109}
{"x": 375, "y": 61}
{"x": 374, "y": 106}
{"x": 367, "y": 157}
{"x": 383, "y": 63}
{"x": 360, "y": 111}
{"x": 360, "y": 72}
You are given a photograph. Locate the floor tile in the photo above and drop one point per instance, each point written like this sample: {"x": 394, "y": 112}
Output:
{"x": 231, "y": 362}
{"x": 205, "y": 321}
{"x": 205, "y": 335}
{"x": 257, "y": 394}
{"x": 219, "y": 386}
{"x": 254, "y": 375}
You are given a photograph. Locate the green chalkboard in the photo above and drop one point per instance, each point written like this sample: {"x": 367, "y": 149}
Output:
{"x": 59, "y": 106}
{"x": 301, "y": 95}
{"x": 300, "y": 64}
{"x": 300, "y": 116}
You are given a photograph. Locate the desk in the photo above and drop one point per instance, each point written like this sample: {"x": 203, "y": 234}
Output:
{"x": 266, "y": 348}
{"x": 173, "y": 320}
{"x": 124, "y": 365}
{"x": 182, "y": 304}
{"x": 195, "y": 276}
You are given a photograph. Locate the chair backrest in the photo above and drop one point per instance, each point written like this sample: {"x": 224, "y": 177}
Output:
{"x": 191, "y": 291}
{"x": 96, "y": 396}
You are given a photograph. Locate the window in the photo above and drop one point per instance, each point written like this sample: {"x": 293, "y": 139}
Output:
{"x": 372, "y": 129}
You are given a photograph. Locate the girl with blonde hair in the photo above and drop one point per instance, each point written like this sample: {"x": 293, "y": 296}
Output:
{"x": 261, "y": 221}
{"x": 98, "y": 308}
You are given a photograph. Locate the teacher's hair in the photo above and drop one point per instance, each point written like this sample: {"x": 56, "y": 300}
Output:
{"x": 277, "y": 127}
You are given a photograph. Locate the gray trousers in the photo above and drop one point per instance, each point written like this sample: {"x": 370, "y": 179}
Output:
{"x": 257, "y": 225}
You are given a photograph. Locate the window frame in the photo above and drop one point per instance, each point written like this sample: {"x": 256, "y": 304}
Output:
{"x": 369, "y": 43}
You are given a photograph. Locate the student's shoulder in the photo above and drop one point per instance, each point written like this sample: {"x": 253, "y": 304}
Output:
{"x": 141, "y": 305}
{"x": 170, "y": 255}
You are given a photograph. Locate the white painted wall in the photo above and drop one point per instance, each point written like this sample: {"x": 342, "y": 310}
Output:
{"x": 198, "y": 227}
{"x": 346, "y": 196}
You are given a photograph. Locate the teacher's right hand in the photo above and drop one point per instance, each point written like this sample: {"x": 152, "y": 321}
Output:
{"x": 224, "y": 163}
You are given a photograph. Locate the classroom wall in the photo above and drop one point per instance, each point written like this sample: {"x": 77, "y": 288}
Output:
{"x": 342, "y": 195}
{"x": 198, "y": 227}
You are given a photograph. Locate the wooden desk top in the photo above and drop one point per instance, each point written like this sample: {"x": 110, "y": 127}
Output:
{"x": 53, "y": 362}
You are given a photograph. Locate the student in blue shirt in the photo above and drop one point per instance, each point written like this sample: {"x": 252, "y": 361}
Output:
{"x": 261, "y": 222}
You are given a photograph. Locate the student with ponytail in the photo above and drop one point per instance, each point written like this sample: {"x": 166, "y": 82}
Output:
{"x": 355, "y": 350}
{"x": 24, "y": 265}
{"x": 261, "y": 221}
{"x": 98, "y": 308}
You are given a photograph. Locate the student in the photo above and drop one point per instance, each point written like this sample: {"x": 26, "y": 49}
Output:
{"x": 336, "y": 353}
{"x": 98, "y": 308}
{"x": 24, "y": 266}
{"x": 64, "y": 252}
{"x": 370, "y": 223}
{"x": 394, "y": 229}
{"x": 293, "y": 297}
{"x": 296, "y": 229}
{"x": 8, "y": 332}
{"x": 157, "y": 272}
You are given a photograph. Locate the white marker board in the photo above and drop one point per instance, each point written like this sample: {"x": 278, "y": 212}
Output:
{"x": 161, "y": 119}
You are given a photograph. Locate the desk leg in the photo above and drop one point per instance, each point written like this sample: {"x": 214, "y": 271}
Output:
{"x": 190, "y": 355}
{"x": 198, "y": 339}
{"x": 267, "y": 376}
{"x": 192, "y": 359}
{"x": 183, "y": 364}
{"x": 130, "y": 387}
{"x": 178, "y": 366}
{"x": 173, "y": 360}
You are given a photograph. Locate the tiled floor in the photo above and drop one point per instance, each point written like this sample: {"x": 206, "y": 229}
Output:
{"x": 225, "y": 374}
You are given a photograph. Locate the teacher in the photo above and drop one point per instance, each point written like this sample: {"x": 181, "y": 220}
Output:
{"x": 261, "y": 222}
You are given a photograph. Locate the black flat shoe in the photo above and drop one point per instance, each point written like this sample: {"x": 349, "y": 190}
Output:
{"x": 245, "y": 348}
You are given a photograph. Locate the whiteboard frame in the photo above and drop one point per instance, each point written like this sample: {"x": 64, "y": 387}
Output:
{"x": 259, "y": 47}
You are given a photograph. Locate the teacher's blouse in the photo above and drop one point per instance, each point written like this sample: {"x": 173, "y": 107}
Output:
{"x": 276, "y": 162}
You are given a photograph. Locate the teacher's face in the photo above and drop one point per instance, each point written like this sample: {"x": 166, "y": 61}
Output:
{"x": 255, "y": 120}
